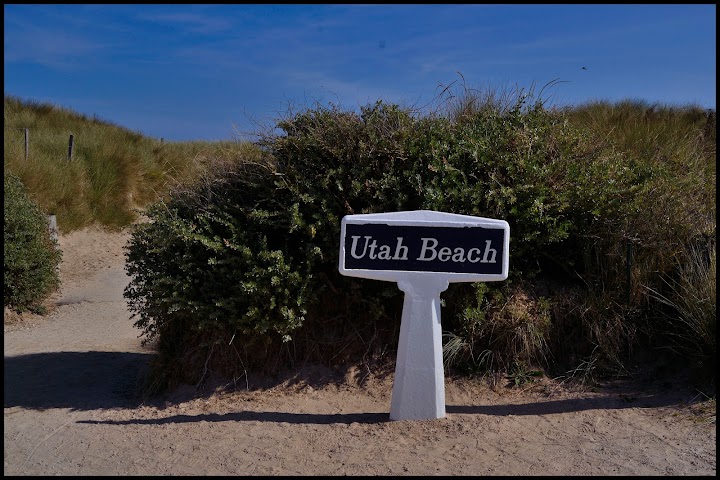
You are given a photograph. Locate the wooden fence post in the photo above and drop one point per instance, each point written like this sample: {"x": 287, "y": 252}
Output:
{"x": 70, "y": 147}
{"x": 628, "y": 270}
{"x": 52, "y": 225}
{"x": 27, "y": 142}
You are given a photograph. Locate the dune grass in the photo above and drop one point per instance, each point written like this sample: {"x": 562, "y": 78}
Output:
{"x": 113, "y": 171}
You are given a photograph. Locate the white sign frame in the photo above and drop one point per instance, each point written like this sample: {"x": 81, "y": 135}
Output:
{"x": 419, "y": 383}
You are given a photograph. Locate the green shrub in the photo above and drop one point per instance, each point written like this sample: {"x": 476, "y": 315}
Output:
{"x": 239, "y": 270}
{"x": 250, "y": 253}
{"x": 31, "y": 259}
{"x": 247, "y": 253}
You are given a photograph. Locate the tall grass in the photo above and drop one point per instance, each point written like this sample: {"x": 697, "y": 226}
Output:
{"x": 648, "y": 192}
{"x": 113, "y": 171}
{"x": 690, "y": 315}
{"x": 672, "y": 214}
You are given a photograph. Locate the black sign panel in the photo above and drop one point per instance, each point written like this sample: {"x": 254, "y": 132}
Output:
{"x": 467, "y": 249}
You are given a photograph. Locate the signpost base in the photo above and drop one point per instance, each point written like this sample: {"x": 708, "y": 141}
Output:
{"x": 419, "y": 384}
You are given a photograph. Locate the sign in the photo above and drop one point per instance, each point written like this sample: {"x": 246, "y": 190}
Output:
{"x": 463, "y": 248}
{"x": 423, "y": 251}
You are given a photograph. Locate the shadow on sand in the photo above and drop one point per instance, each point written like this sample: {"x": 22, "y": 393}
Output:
{"x": 605, "y": 402}
{"x": 74, "y": 380}
{"x": 102, "y": 380}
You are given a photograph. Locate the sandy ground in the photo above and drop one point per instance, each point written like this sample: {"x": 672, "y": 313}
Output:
{"x": 71, "y": 408}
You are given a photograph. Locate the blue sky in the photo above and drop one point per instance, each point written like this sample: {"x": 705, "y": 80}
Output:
{"x": 220, "y": 72}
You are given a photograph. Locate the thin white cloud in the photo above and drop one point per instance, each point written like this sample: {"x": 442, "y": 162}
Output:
{"x": 60, "y": 39}
{"x": 191, "y": 22}
{"x": 55, "y": 48}
{"x": 348, "y": 94}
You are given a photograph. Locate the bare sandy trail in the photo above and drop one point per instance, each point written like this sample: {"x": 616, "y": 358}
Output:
{"x": 71, "y": 409}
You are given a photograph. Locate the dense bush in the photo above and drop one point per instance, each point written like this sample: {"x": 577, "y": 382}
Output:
{"x": 239, "y": 270}
{"x": 30, "y": 256}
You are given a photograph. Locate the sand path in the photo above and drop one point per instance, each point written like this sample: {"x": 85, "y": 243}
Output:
{"x": 71, "y": 409}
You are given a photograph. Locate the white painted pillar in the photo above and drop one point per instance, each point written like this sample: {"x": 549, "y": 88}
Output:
{"x": 405, "y": 247}
{"x": 419, "y": 384}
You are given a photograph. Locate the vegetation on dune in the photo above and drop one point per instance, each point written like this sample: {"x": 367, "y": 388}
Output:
{"x": 611, "y": 208}
{"x": 113, "y": 171}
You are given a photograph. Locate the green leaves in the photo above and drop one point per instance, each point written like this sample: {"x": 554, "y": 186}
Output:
{"x": 30, "y": 256}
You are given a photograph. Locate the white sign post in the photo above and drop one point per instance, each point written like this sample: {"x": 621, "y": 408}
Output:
{"x": 423, "y": 251}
